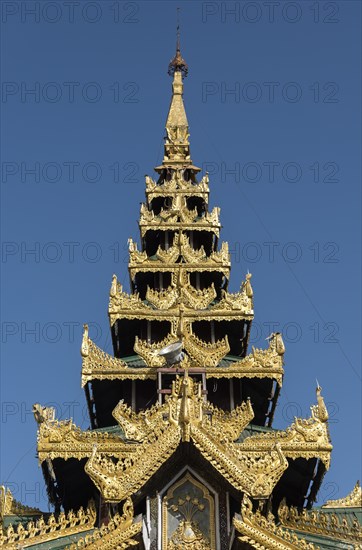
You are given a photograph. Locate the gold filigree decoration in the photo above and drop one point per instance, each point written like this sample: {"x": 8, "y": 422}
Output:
{"x": 186, "y": 506}
{"x": 181, "y": 247}
{"x": 178, "y": 211}
{"x": 203, "y": 354}
{"x": 170, "y": 255}
{"x": 190, "y": 296}
{"x": 262, "y": 532}
{"x": 188, "y": 535}
{"x": 55, "y": 527}
{"x": 319, "y": 522}
{"x": 179, "y": 217}
{"x": 177, "y": 184}
{"x": 162, "y": 299}
{"x": 258, "y": 364}
{"x": 120, "y": 300}
{"x": 230, "y": 307}
{"x": 254, "y": 474}
{"x": 186, "y": 417}
{"x": 305, "y": 438}
{"x": 135, "y": 255}
{"x": 181, "y": 291}
{"x": 353, "y": 500}
{"x": 239, "y": 301}
{"x": 228, "y": 426}
{"x": 206, "y": 354}
{"x": 118, "y": 534}
{"x": 96, "y": 362}
{"x": 185, "y": 405}
{"x": 165, "y": 260}
{"x": 136, "y": 427}
{"x": 98, "y": 365}
{"x": 63, "y": 439}
{"x": 118, "y": 480}
{"x": 150, "y": 351}
{"x": 191, "y": 255}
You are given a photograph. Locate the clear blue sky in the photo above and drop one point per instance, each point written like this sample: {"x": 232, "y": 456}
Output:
{"x": 272, "y": 93}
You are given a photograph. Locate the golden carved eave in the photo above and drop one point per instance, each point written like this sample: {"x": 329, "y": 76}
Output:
{"x": 206, "y": 354}
{"x": 177, "y": 185}
{"x": 173, "y": 314}
{"x": 9, "y": 506}
{"x": 200, "y": 224}
{"x": 149, "y": 373}
{"x": 122, "y": 305}
{"x": 97, "y": 361}
{"x": 116, "y": 481}
{"x": 258, "y": 364}
{"x": 185, "y": 416}
{"x": 352, "y": 500}
{"x": 305, "y": 438}
{"x": 117, "y": 534}
{"x": 179, "y": 217}
{"x": 54, "y": 528}
{"x": 262, "y": 532}
{"x": 253, "y": 474}
{"x": 98, "y": 365}
{"x": 319, "y": 522}
{"x": 188, "y": 295}
{"x": 156, "y": 266}
{"x": 63, "y": 439}
{"x": 199, "y": 353}
{"x": 192, "y": 260}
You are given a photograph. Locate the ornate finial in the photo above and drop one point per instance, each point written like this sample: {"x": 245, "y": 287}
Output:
{"x": 247, "y": 285}
{"x": 178, "y": 63}
{"x": 276, "y": 342}
{"x": 113, "y": 290}
{"x": 178, "y": 29}
{"x": 320, "y": 411}
{"x": 43, "y": 414}
{"x": 84, "y": 350}
{"x": 6, "y": 501}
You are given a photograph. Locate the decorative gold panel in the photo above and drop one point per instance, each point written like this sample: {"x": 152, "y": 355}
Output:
{"x": 188, "y": 516}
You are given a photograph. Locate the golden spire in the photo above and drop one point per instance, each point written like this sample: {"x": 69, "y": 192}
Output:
{"x": 177, "y": 143}
{"x": 177, "y": 114}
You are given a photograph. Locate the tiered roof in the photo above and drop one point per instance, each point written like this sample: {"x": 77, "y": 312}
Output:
{"x": 144, "y": 428}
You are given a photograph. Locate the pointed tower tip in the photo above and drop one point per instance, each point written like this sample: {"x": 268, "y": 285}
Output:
{"x": 178, "y": 64}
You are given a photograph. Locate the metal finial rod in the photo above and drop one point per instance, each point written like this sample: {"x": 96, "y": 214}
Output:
{"x": 178, "y": 29}
{"x": 178, "y": 64}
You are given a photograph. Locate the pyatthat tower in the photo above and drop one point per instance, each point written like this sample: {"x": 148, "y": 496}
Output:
{"x": 181, "y": 452}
